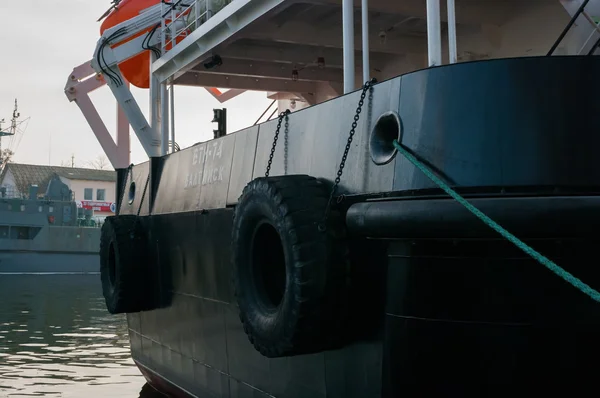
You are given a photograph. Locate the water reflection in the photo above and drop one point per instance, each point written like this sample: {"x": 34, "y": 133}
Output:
{"x": 57, "y": 340}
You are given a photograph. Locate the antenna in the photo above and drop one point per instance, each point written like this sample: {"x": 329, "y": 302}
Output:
{"x": 11, "y": 131}
{"x": 114, "y": 5}
{"x": 13, "y": 121}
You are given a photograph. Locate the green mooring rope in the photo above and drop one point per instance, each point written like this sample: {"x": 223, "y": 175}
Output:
{"x": 577, "y": 283}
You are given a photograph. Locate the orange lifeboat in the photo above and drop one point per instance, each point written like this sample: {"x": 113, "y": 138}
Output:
{"x": 136, "y": 69}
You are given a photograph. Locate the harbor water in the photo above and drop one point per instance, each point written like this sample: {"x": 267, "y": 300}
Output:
{"x": 58, "y": 340}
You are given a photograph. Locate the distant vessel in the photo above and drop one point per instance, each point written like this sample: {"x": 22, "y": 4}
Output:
{"x": 47, "y": 232}
{"x": 349, "y": 249}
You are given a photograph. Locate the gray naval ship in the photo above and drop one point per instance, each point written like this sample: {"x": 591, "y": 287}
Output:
{"x": 44, "y": 232}
{"x": 47, "y": 233}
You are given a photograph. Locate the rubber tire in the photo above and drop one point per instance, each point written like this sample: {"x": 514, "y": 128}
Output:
{"x": 129, "y": 289}
{"x": 312, "y": 314}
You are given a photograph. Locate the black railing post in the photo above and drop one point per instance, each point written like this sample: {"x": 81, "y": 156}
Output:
{"x": 569, "y": 25}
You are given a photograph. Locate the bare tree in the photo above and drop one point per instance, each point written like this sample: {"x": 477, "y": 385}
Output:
{"x": 100, "y": 163}
{"x": 5, "y": 157}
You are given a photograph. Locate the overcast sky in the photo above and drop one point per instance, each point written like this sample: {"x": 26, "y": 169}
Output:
{"x": 41, "y": 42}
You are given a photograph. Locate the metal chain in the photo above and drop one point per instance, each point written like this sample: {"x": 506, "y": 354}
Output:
{"x": 143, "y": 195}
{"x": 282, "y": 115}
{"x": 285, "y": 145}
{"x": 338, "y": 178}
{"x": 123, "y": 187}
{"x": 137, "y": 216}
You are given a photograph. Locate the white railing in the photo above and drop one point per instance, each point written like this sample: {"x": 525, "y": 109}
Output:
{"x": 181, "y": 17}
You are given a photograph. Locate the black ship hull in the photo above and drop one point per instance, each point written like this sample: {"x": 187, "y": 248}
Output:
{"x": 439, "y": 303}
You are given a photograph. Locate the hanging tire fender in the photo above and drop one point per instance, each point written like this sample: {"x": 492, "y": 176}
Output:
{"x": 127, "y": 279}
{"x": 290, "y": 279}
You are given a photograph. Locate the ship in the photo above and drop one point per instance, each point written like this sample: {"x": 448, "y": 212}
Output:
{"x": 43, "y": 230}
{"x": 47, "y": 233}
{"x": 419, "y": 218}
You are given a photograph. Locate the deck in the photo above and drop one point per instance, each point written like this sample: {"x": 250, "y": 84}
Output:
{"x": 314, "y": 50}
{"x": 296, "y": 46}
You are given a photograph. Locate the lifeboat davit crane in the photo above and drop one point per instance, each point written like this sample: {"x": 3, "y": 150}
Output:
{"x": 130, "y": 41}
